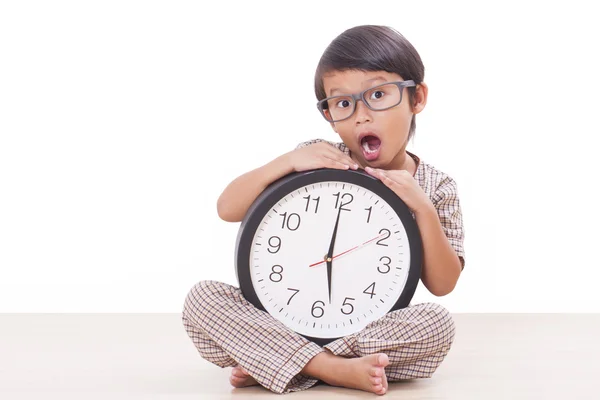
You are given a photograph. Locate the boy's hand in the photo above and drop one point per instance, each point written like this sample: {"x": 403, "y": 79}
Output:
{"x": 319, "y": 155}
{"x": 405, "y": 186}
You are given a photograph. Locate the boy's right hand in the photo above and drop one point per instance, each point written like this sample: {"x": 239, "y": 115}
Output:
{"x": 319, "y": 155}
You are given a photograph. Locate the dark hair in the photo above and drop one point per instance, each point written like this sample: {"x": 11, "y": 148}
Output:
{"x": 372, "y": 48}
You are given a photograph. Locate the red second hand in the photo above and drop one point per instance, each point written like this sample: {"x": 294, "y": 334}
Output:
{"x": 354, "y": 248}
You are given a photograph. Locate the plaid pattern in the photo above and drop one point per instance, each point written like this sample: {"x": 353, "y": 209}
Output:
{"x": 441, "y": 189}
{"x": 227, "y": 330}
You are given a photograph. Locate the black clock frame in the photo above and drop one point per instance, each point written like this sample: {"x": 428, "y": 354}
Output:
{"x": 291, "y": 182}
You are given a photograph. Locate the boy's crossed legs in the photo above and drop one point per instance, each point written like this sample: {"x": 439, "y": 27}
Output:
{"x": 225, "y": 327}
{"x": 365, "y": 373}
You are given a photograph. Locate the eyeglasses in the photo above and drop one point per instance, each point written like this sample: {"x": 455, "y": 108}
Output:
{"x": 377, "y": 98}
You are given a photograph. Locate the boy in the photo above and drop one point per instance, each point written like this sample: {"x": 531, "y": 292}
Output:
{"x": 369, "y": 83}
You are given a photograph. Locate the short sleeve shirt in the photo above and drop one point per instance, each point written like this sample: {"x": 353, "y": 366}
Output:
{"x": 441, "y": 189}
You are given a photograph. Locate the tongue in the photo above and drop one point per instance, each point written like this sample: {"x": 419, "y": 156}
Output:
{"x": 373, "y": 142}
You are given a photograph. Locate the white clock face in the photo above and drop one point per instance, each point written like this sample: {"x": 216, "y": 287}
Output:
{"x": 370, "y": 263}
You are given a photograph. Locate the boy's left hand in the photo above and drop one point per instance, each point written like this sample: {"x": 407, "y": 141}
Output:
{"x": 405, "y": 186}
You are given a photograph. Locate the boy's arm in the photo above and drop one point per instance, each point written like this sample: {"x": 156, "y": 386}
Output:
{"x": 441, "y": 264}
{"x": 440, "y": 224}
{"x": 443, "y": 234}
{"x": 238, "y": 196}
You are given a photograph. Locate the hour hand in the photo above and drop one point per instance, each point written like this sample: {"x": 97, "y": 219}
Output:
{"x": 329, "y": 269}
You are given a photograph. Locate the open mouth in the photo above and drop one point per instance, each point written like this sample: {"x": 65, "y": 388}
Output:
{"x": 370, "y": 145}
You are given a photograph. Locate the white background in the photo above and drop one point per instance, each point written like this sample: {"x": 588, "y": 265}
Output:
{"x": 121, "y": 122}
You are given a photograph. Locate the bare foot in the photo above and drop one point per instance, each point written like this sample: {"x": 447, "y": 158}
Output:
{"x": 365, "y": 373}
{"x": 240, "y": 378}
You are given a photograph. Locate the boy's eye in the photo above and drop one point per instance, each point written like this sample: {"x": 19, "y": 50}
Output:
{"x": 375, "y": 96}
{"x": 343, "y": 103}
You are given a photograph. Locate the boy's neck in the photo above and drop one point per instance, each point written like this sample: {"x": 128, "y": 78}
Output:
{"x": 403, "y": 161}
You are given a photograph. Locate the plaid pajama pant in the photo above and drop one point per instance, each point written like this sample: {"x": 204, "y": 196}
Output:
{"x": 228, "y": 331}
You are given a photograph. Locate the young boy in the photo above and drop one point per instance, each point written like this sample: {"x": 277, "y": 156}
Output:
{"x": 380, "y": 66}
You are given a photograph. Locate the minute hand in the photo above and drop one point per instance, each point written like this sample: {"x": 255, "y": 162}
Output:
{"x": 329, "y": 257}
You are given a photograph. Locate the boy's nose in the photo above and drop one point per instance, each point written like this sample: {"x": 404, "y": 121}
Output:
{"x": 362, "y": 112}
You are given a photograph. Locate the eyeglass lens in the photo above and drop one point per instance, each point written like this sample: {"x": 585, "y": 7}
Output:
{"x": 379, "y": 98}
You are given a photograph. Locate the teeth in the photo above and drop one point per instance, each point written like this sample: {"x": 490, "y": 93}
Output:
{"x": 365, "y": 146}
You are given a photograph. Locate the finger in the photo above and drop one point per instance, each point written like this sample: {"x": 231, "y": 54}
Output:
{"x": 386, "y": 179}
{"x": 381, "y": 174}
{"x": 333, "y": 163}
{"x": 342, "y": 157}
{"x": 339, "y": 155}
{"x": 373, "y": 171}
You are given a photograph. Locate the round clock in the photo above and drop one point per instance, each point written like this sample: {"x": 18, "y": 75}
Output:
{"x": 328, "y": 251}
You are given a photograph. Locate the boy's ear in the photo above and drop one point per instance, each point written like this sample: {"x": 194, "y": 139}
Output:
{"x": 420, "y": 98}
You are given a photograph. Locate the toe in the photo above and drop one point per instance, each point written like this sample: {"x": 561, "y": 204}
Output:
{"x": 376, "y": 381}
{"x": 382, "y": 359}
{"x": 376, "y": 371}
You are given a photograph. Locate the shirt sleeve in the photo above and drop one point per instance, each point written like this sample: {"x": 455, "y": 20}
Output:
{"x": 308, "y": 143}
{"x": 338, "y": 145}
{"x": 447, "y": 203}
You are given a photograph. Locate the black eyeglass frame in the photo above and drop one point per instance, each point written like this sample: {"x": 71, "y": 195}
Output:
{"x": 361, "y": 96}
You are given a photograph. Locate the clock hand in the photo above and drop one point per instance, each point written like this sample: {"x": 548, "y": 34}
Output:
{"x": 347, "y": 251}
{"x": 328, "y": 257}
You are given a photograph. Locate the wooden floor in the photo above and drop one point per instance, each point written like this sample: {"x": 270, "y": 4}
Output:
{"x": 148, "y": 356}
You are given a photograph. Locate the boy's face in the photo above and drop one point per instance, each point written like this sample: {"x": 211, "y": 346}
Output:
{"x": 385, "y": 149}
